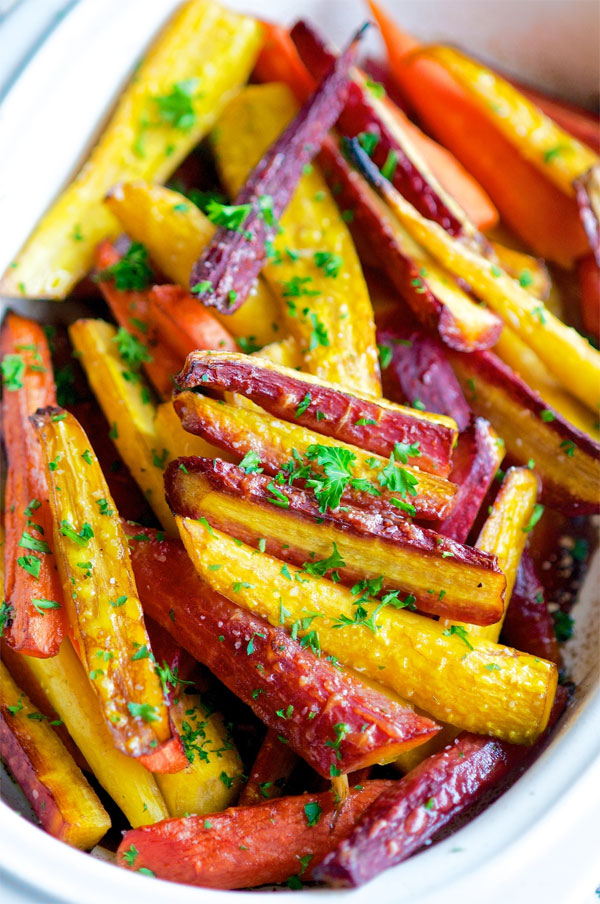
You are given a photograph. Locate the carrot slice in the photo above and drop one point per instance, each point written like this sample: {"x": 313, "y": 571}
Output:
{"x": 272, "y": 768}
{"x": 184, "y": 324}
{"x": 528, "y": 625}
{"x": 35, "y": 623}
{"x": 534, "y": 208}
{"x": 224, "y": 273}
{"x": 248, "y": 846}
{"x": 132, "y": 312}
{"x": 279, "y": 61}
{"x": 559, "y": 156}
{"x": 404, "y": 818}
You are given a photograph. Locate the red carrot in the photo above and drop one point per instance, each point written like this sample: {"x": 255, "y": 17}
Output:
{"x": 272, "y": 768}
{"x": 248, "y": 846}
{"x": 404, "y": 818}
{"x": 289, "y": 688}
{"x": 528, "y": 625}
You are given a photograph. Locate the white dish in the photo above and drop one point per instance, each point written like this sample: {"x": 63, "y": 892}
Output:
{"x": 541, "y": 840}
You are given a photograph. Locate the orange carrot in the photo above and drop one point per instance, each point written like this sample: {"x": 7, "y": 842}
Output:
{"x": 589, "y": 283}
{"x": 534, "y": 208}
{"x": 248, "y": 846}
{"x": 184, "y": 324}
{"x": 272, "y": 767}
{"x": 279, "y": 60}
{"x": 33, "y": 591}
{"x": 131, "y": 311}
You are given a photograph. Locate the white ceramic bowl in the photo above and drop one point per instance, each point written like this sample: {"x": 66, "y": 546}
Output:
{"x": 541, "y": 840}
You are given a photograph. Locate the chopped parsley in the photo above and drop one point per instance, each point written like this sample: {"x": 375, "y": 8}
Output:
{"x": 132, "y": 273}
{"x": 313, "y": 812}
{"x": 144, "y": 711}
{"x": 538, "y": 511}
{"x": 175, "y": 108}
{"x": 329, "y": 263}
{"x": 230, "y": 216}
{"x": 460, "y": 632}
{"x": 82, "y": 538}
{"x": 13, "y": 370}
{"x": 250, "y": 463}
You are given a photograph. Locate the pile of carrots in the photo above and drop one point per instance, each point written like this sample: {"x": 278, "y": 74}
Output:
{"x": 279, "y": 534}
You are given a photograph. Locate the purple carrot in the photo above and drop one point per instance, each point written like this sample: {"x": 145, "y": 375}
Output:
{"x": 225, "y": 272}
{"x": 404, "y": 818}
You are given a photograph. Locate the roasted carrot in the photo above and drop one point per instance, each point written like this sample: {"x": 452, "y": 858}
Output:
{"x": 225, "y": 271}
{"x": 404, "y": 818}
{"x": 589, "y": 282}
{"x": 360, "y": 420}
{"x": 534, "y": 208}
{"x": 272, "y": 767}
{"x": 280, "y": 678}
{"x": 58, "y": 792}
{"x": 277, "y": 443}
{"x": 566, "y": 353}
{"x": 417, "y": 371}
{"x": 528, "y": 624}
{"x": 559, "y": 156}
{"x": 536, "y": 434}
{"x": 183, "y": 323}
{"x": 249, "y": 846}
{"x": 279, "y": 61}
{"x": 580, "y": 122}
{"x": 433, "y": 295}
{"x": 33, "y": 591}
{"x": 443, "y": 670}
{"x": 100, "y": 597}
{"x": 439, "y": 576}
{"x": 130, "y": 309}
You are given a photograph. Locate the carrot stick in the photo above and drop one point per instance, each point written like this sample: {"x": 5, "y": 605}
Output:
{"x": 280, "y": 61}
{"x": 33, "y": 591}
{"x": 528, "y": 625}
{"x": 248, "y": 846}
{"x": 272, "y": 768}
{"x": 224, "y": 273}
{"x": 535, "y": 209}
{"x": 413, "y": 810}
{"x": 579, "y": 122}
{"x": 131, "y": 310}
{"x": 184, "y": 324}
{"x": 282, "y": 680}
{"x": 589, "y": 283}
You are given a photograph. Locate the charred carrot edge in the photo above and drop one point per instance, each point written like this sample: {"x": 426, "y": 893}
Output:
{"x": 131, "y": 311}
{"x": 100, "y": 599}
{"x": 248, "y": 846}
{"x": 477, "y": 457}
{"x": 566, "y": 459}
{"x": 403, "y": 819}
{"x": 370, "y": 424}
{"x": 532, "y": 206}
{"x": 272, "y": 767}
{"x": 31, "y": 578}
{"x": 59, "y": 794}
{"x": 184, "y": 324}
{"x": 475, "y": 328}
{"x": 443, "y": 577}
{"x": 246, "y": 653}
{"x": 240, "y": 431}
{"x": 417, "y": 370}
{"x": 588, "y": 272}
{"x": 225, "y": 271}
{"x": 528, "y": 624}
